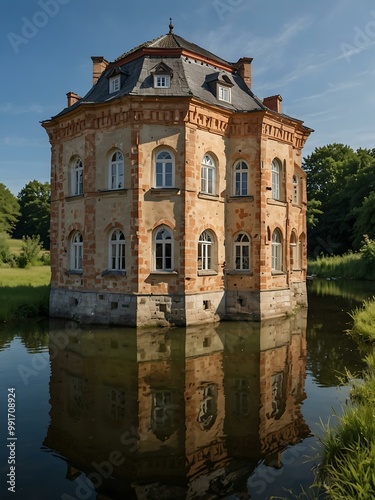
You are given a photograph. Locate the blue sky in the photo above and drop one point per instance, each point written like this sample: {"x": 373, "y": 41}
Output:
{"x": 318, "y": 55}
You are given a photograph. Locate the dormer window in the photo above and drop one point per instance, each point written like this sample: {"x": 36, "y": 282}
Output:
{"x": 224, "y": 93}
{"x": 116, "y": 77}
{"x": 162, "y": 75}
{"x": 220, "y": 84}
{"x": 162, "y": 81}
{"x": 114, "y": 84}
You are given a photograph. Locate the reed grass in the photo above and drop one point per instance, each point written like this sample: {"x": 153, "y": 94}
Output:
{"x": 364, "y": 322}
{"x": 348, "y": 465}
{"x": 348, "y": 449}
{"x": 348, "y": 266}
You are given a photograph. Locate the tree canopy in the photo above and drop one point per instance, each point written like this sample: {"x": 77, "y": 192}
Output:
{"x": 9, "y": 210}
{"x": 340, "y": 187}
{"x": 34, "y": 201}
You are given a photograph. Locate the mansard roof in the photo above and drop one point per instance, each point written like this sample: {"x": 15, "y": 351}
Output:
{"x": 193, "y": 71}
{"x": 173, "y": 41}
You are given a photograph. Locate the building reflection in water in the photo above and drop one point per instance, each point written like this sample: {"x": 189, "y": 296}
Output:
{"x": 177, "y": 413}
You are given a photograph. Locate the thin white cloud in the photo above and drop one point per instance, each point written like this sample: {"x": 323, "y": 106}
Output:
{"x": 247, "y": 42}
{"x": 22, "y": 142}
{"x": 21, "y": 109}
{"x": 332, "y": 88}
{"x": 348, "y": 50}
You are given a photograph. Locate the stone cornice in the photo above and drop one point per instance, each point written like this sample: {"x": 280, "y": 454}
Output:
{"x": 270, "y": 126}
{"x": 135, "y": 110}
{"x": 100, "y": 116}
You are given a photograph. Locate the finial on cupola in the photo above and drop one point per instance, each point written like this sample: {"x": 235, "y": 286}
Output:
{"x": 170, "y": 26}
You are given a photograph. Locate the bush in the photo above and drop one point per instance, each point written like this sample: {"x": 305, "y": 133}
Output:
{"x": 5, "y": 255}
{"x": 31, "y": 249}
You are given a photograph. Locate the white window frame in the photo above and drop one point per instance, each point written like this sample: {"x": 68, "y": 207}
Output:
{"x": 164, "y": 160}
{"x": 117, "y": 251}
{"x": 295, "y": 252}
{"x": 76, "y": 254}
{"x": 114, "y": 84}
{"x": 224, "y": 93}
{"x": 162, "y": 81}
{"x": 206, "y": 247}
{"x": 116, "y": 171}
{"x": 163, "y": 250}
{"x": 276, "y": 177}
{"x": 208, "y": 175}
{"x": 240, "y": 179}
{"x": 242, "y": 246}
{"x": 77, "y": 177}
{"x": 277, "y": 251}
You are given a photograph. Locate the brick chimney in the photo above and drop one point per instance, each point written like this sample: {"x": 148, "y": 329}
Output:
{"x": 72, "y": 98}
{"x": 273, "y": 102}
{"x": 243, "y": 66}
{"x": 99, "y": 64}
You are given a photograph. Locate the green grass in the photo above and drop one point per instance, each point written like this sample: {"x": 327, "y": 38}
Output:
{"x": 348, "y": 465}
{"x": 24, "y": 293}
{"x": 15, "y": 246}
{"x": 364, "y": 322}
{"x": 348, "y": 266}
{"x": 32, "y": 276}
{"x": 348, "y": 449}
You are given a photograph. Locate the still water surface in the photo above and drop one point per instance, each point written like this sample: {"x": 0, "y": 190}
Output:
{"x": 227, "y": 411}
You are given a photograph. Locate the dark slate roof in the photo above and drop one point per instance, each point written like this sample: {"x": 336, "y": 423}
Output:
{"x": 192, "y": 77}
{"x": 172, "y": 41}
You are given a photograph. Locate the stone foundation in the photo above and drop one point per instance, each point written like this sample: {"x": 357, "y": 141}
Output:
{"x": 179, "y": 310}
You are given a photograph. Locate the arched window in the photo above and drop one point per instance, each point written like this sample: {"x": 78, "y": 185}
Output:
{"x": 163, "y": 250}
{"x": 76, "y": 254}
{"x": 241, "y": 179}
{"x": 295, "y": 195}
{"x": 77, "y": 177}
{"x": 277, "y": 251}
{"x": 276, "y": 170}
{"x": 117, "y": 251}
{"x": 295, "y": 252}
{"x": 242, "y": 252}
{"x": 208, "y": 175}
{"x": 208, "y": 407}
{"x": 164, "y": 170}
{"x": 205, "y": 251}
{"x": 116, "y": 171}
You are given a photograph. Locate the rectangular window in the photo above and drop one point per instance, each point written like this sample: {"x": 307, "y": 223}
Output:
{"x": 114, "y": 84}
{"x": 162, "y": 81}
{"x": 224, "y": 94}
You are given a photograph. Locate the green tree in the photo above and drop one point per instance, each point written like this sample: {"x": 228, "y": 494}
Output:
{"x": 338, "y": 179}
{"x": 9, "y": 210}
{"x": 365, "y": 221}
{"x": 34, "y": 200}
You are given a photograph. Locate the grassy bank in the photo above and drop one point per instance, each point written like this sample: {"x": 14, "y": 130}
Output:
{"x": 359, "y": 265}
{"x": 364, "y": 322}
{"x": 24, "y": 293}
{"x": 348, "y": 463}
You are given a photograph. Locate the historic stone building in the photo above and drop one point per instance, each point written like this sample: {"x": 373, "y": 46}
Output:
{"x": 177, "y": 194}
